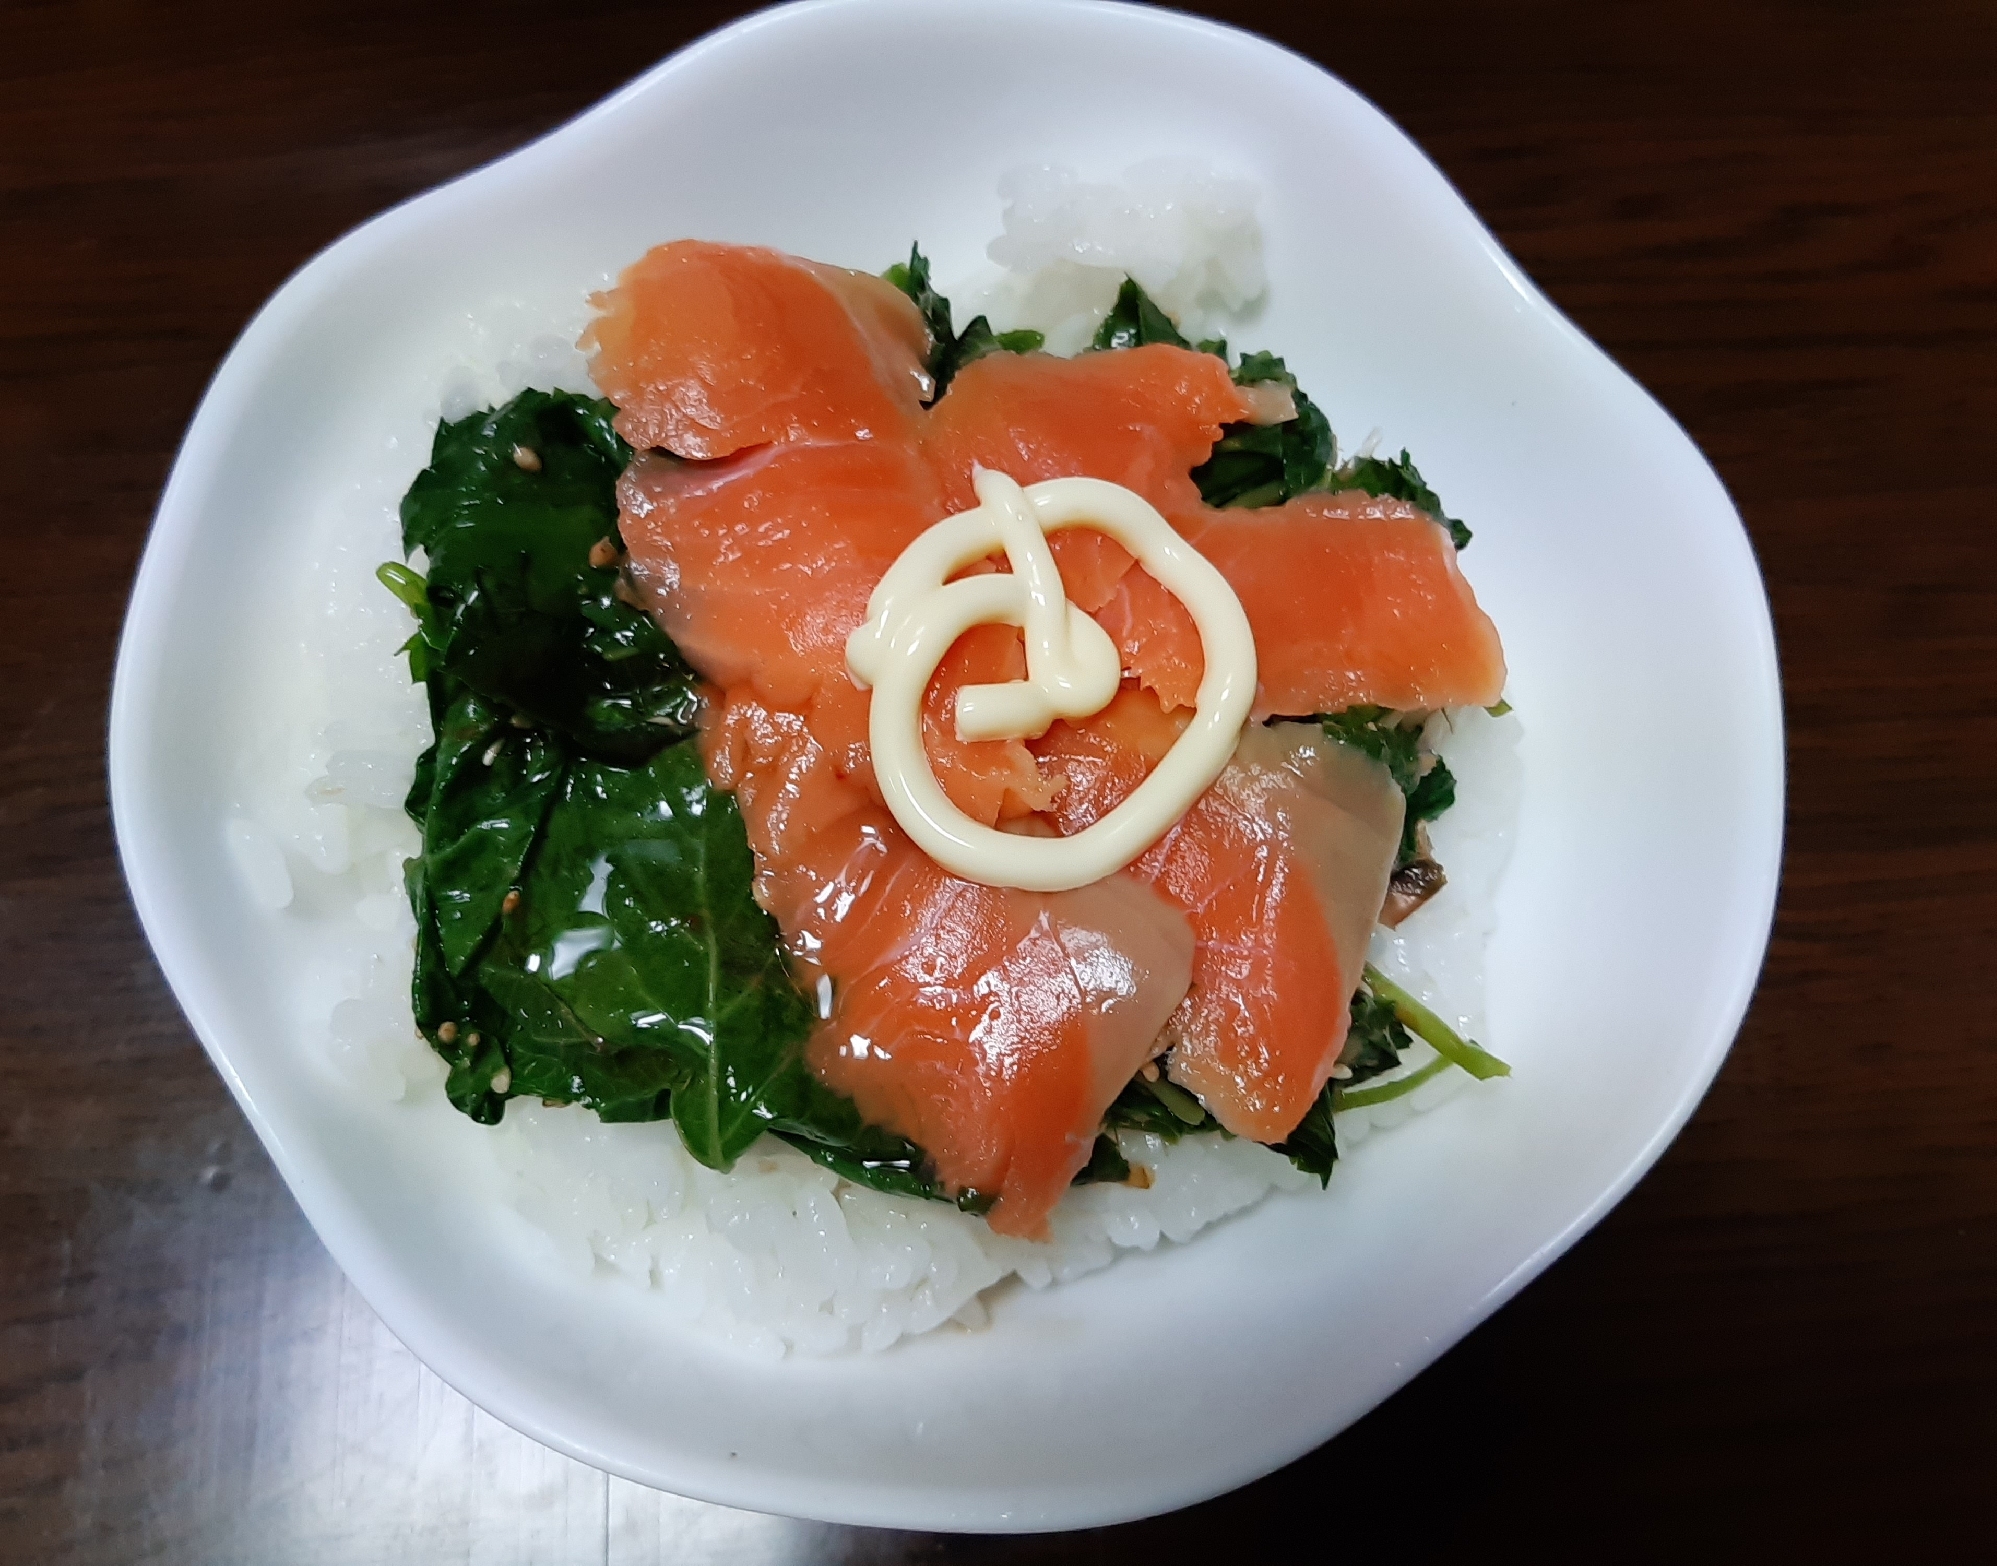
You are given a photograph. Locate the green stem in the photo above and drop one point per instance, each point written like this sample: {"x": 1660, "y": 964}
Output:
{"x": 1383, "y": 1092}
{"x": 404, "y": 583}
{"x": 1181, "y": 1103}
{"x": 1425, "y": 1024}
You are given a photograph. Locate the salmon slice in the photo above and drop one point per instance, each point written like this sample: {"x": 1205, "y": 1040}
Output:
{"x": 1100, "y": 760}
{"x": 995, "y": 1024}
{"x": 1140, "y": 417}
{"x": 787, "y": 542}
{"x": 1281, "y": 867}
{"x": 1155, "y": 635}
{"x": 989, "y": 780}
{"x": 709, "y": 349}
{"x": 1353, "y": 601}
{"x": 990, "y": 1025}
{"x": 758, "y": 566}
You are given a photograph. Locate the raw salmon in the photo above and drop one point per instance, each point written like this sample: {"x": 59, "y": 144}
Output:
{"x": 995, "y": 1026}
{"x": 991, "y": 1026}
{"x": 709, "y": 349}
{"x": 1352, "y": 599}
{"x": 1281, "y": 867}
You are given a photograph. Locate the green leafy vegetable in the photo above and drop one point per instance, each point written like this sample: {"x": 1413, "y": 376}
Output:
{"x": 950, "y": 350}
{"x": 1424, "y": 778}
{"x": 1106, "y": 1165}
{"x": 1160, "y": 1107}
{"x": 1313, "y": 1146}
{"x": 509, "y": 511}
{"x": 1398, "y": 479}
{"x": 1400, "y": 1087}
{"x": 1373, "y": 1045}
{"x": 1267, "y": 464}
{"x": 638, "y": 975}
{"x": 1134, "y": 321}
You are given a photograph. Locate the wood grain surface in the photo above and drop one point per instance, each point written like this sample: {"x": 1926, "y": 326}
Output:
{"x": 1781, "y": 218}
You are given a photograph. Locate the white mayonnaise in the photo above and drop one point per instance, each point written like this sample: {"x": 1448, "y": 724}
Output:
{"x": 1073, "y": 670}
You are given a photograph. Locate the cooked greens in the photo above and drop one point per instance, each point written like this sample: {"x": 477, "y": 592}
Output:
{"x": 1267, "y": 464}
{"x": 1135, "y": 321}
{"x": 1395, "y": 740}
{"x": 508, "y": 512}
{"x": 950, "y": 350}
{"x": 1160, "y": 1107}
{"x": 1398, "y": 479}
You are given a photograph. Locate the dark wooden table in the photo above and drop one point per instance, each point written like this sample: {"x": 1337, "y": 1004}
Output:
{"x": 1781, "y": 218}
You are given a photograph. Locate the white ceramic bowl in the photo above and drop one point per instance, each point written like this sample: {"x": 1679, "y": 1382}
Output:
{"x": 1632, "y": 923}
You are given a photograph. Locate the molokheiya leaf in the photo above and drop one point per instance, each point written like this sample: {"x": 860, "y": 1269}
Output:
{"x": 556, "y": 1055}
{"x": 1398, "y": 479}
{"x": 1374, "y": 1044}
{"x": 950, "y": 350}
{"x": 912, "y": 278}
{"x": 1313, "y": 1146}
{"x": 634, "y": 972}
{"x": 1424, "y": 779}
{"x": 1135, "y": 321}
{"x": 509, "y": 510}
{"x": 1378, "y": 732}
{"x": 638, "y": 974}
{"x": 1106, "y": 1165}
{"x": 490, "y": 786}
{"x": 977, "y": 340}
{"x": 1267, "y": 464}
{"x": 457, "y": 1016}
{"x": 1434, "y": 794}
{"x": 826, "y": 1127}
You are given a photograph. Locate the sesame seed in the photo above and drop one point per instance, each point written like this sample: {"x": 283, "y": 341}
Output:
{"x": 447, "y": 1033}
{"x": 526, "y": 459}
{"x": 502, "y": 1079}
{"x": 492, "y": 751}
{"x": 510, "y": 901}
{"x": 1342, "y": 1072}
{"x": 471, "y": 1041}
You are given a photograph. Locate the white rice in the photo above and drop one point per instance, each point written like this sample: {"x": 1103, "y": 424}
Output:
{"x": 1185, "y": 232}
{"x": 780, "y": 1254}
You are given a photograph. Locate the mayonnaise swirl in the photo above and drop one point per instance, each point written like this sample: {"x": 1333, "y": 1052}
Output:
{"x": 1073, "y": 670}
